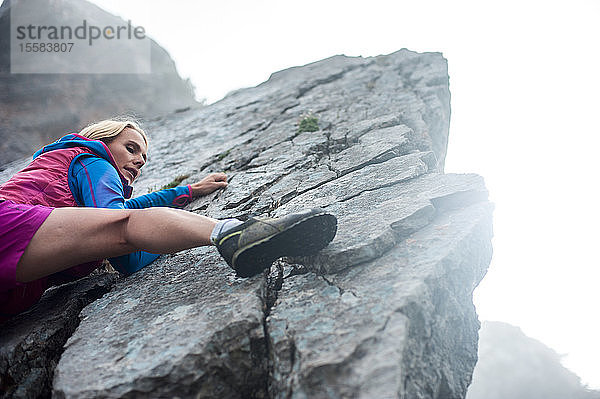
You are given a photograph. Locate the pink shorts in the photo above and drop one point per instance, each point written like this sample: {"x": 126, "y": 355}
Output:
{"x": 19, "y": 223}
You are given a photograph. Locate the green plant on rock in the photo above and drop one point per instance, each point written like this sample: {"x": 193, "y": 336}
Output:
{"x": 308, "y": 123}
{"x": 222, "y": 155}
{"x": 174, "y": 183}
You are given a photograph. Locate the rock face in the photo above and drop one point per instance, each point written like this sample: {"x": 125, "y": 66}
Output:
{"x": 37, "y": 108}
{"x": 513, "y": 365}
{"x": 31, "y": 343}
{"x": 384, "y": 311}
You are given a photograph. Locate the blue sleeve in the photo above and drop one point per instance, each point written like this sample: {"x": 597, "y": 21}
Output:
{"x": 95, "y": 183}
{"x": 177, "y": 197}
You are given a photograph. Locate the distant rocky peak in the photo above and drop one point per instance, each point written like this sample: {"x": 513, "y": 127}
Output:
{"x": 35, "y": 109}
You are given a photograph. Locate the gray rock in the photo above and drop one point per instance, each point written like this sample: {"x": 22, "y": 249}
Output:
{"x": 32, "y": 342}
{"x": 374, "y": 220}
{"x": 402, "y": 325}
{"x": 375, "y": 146}
{"x": 384, "y": 311}
{"x": 181, "y": 327}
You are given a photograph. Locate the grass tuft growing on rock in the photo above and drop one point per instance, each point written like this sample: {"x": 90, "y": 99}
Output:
{"x": 174, "y": 183}
{"x": 308, "y": 123}
{"x": 223, "y": 155}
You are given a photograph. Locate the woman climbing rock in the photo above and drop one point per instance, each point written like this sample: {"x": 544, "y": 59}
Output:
{"x": 48, "y": 237}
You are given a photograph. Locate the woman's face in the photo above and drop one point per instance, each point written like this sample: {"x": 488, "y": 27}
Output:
{"x": 129, "y": 151}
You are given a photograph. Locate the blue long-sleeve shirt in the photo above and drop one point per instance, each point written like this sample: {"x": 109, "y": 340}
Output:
{"x": 94, "y": 182}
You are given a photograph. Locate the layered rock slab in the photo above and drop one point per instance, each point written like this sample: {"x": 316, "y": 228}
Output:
{"x": 350, "y": 96}
{"x": 182, "y": 327}
{"x": 402, "y": 325}
{"x": 31, "y": 343}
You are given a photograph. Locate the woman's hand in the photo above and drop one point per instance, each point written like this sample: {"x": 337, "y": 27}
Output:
{"x": 209, "y": 184}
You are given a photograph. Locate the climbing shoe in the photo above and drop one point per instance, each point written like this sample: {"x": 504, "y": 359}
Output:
{"x": 252, "y": 246}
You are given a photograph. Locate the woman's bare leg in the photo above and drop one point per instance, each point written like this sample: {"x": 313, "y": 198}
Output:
{"x": 71, "y": 236}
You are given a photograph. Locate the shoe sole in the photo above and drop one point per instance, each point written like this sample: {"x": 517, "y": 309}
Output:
{"x": 305, "y": 237}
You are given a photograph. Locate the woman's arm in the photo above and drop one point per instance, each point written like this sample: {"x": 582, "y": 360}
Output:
{"x": 97, "y": 182}
{"x": 179, "y": 197}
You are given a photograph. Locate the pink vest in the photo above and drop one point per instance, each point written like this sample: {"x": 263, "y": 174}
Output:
{"x": 45, "y": 182}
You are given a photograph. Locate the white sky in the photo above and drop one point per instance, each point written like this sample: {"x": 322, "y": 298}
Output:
{"x": 525, "y": 81}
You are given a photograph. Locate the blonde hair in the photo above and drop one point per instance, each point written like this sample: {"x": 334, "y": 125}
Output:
{"x": 108, "y": 129}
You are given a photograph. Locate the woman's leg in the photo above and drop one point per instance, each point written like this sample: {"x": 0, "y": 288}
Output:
{"x": 71, "y": 236}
